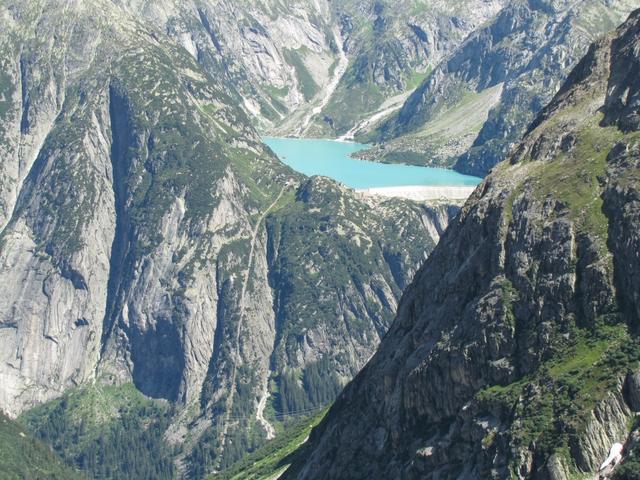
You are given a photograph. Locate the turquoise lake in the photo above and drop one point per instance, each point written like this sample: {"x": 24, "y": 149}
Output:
{"x": 330, "y": 158}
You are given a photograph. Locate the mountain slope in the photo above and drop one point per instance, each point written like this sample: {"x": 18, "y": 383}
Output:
{"x": 515, "y": 351}
{"x": 478, "y": 102}
{"x": 22, "y": 457}
{"x": 106, "y": 153}
{"x": 391, "y": 46}
{"x": 106, "y": 431}
{"x": 273, "y": 458}
{"x": 317, "y": 67}
{"x": 147, "y": 236}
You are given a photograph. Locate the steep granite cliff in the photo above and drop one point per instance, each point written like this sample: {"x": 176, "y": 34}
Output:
{"x": 317, "y": 67}
{"x": 147, "y": 236}
{"x": 515, "y": 352}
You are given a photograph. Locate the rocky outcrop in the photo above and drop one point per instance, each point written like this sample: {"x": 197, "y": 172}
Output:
{"x": 391, "y": 46}
{"x": 355, "y": 298}
{"x": 289, "y": 61}
{"x": 148, "y": 236}
{"x": 526, "y": 52}
{"x": 508, "y": 356}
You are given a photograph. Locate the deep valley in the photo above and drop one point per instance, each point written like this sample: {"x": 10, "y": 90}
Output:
{"x": 201, "y": 278}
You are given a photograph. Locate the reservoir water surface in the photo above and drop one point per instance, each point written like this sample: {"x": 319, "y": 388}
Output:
{"x": 330, "y": 158}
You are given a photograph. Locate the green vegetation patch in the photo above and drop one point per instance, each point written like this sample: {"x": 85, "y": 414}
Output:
{"x": 275, "y": 456}
{"x": 575, "y": 178}
{"x": 110, "y": 432}
{"x": 24, "y": 457}
{"x": 416, "y": 78}
{"x": 547, "y": 408}
{"x": 352, "y": 102}
{"x": 509, "y": 296}
{"x": 276, "y": 92}
{"x": 308, "y": 85}
{"x": 303, "y": 390}
{"x": 629, "y": 470}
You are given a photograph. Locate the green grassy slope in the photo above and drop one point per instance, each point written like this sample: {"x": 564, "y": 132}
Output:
{"x": 111, "y": 432}
{"x": 274, "y": 457}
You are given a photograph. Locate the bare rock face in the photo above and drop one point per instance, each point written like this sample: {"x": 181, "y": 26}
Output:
{"x": 509, "y": 353}
{"x": 316, "y": 67}
{"x": 509, "y": 68}
{"x": 147, "y": 236}
{"x": 54, "y": 265}
{"x": 53, "y": 302}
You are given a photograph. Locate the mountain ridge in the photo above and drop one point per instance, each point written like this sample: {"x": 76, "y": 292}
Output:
{"x": 506, "y": 71}
{"x": 169, "y": 282}
{"x": 514, "y": 352}
{"x": 149, "y": 237}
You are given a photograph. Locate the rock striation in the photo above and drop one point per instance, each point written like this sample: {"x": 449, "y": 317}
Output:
{"x": 316, "y": 67}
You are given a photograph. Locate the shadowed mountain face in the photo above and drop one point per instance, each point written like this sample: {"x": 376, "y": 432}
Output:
{"x": 148, "y": 236}
{"x": 515, "y": 351}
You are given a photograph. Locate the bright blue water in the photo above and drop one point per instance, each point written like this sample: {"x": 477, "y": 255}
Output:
{"x": 331, "y": 158}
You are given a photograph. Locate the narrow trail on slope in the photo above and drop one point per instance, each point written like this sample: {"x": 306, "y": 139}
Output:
{"x": 241, "y": 304}
{"x": 331, "y": 87}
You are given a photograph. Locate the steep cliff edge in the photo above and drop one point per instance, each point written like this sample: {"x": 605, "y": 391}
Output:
{"x": 148, "y": 237}
{"x": 515, "y": 350}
